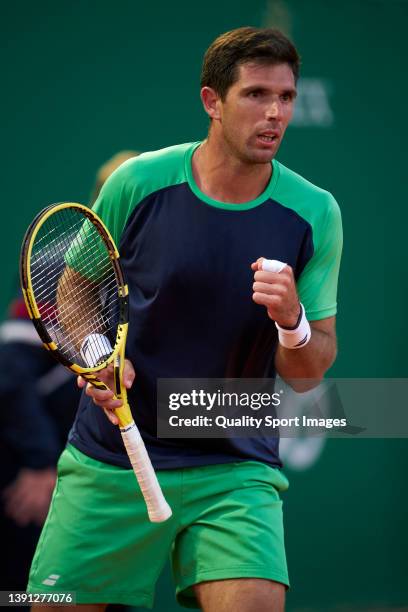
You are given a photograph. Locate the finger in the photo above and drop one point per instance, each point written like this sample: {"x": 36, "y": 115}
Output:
{"x": 104, "y": 399}
{"x": 99, "y": 395}
{"x": 81, "y": 382}
{"x": 106, "y": 375}
{"x": 111, "y": 416}
{"x": 269, "y": 289}
{"x": 129, "y": 374}
{"x": 257, "y": 265}
{"x": 270, "y": 301}
{"x": 111, "y": 404}
{"x": 271, "y": 277}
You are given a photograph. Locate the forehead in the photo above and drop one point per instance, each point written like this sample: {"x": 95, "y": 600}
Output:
{"x": 267, "y": 75}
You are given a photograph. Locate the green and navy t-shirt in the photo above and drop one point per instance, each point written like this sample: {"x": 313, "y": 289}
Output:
{"x": 187, "y": 261}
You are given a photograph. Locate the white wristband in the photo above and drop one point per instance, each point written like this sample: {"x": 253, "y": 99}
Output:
{"x": 298, "y": 337}
{"x": 95, "y": 349}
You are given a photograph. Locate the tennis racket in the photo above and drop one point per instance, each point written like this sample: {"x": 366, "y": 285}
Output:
{"x": 77, "y": 298}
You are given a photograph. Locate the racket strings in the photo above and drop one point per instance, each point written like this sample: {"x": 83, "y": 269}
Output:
{"x": 75, "y": 284}
{"x": 104, "y": 266}
{"x": 82, "y": 293}
{"x": 91, "y": 308}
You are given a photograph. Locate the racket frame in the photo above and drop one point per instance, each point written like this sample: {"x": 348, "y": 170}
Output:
{"x": 28, "y": 292}
{"x": 130, "y": 434}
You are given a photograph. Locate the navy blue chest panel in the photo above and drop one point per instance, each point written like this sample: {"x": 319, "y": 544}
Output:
{"x": 192, "y": 315}
{"x": 188, "y": 268}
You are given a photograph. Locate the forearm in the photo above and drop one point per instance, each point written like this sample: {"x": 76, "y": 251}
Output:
{"x": 311, "y": 361}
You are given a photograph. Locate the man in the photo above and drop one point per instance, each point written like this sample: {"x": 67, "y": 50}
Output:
{"x": 197, "y": 226}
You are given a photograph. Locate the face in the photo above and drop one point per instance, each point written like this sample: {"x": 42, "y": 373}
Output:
{"x": 256, "y": 111}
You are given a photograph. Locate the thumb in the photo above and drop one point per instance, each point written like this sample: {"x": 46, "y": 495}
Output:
{"x": 257, "y": 265}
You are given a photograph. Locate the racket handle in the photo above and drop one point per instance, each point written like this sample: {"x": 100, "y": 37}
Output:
{"x": 157, "y": 507}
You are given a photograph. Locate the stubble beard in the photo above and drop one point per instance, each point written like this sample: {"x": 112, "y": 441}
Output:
{"x": 243, "y": 152}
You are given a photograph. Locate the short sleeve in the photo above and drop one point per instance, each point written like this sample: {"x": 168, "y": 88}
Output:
{"x": 317, "y": 285}
{"x": 112, "y": 207}
{"x": 116, "y": 199}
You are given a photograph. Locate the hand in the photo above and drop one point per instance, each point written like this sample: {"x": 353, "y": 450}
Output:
{"x": 277, "y": 292}
{"x": 28, "y": 497}
{"x": 105, "y": 399}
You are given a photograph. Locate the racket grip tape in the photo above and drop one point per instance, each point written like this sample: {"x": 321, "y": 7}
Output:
{"x": 157, "y": 507}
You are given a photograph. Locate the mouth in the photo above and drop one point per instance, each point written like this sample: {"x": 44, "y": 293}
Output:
{"x": 268, "y": 138}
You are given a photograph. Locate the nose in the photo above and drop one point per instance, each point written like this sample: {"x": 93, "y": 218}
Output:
{"x": 273, "y": 110}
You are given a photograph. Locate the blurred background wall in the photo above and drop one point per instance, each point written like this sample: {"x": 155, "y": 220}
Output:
{"x": 84, "y": 79}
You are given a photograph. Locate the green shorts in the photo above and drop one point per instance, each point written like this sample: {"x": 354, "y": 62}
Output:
{"x": 98, "y": 541}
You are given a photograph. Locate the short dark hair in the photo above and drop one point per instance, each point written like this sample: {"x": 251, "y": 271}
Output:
{"x": 260, "y": 45}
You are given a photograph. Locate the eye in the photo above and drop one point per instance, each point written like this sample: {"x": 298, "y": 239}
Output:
{"x": 255, "y": 93}
{"x": 286, "y": 97}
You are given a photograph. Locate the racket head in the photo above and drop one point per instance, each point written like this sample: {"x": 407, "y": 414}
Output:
{"x": 73, "y": 286}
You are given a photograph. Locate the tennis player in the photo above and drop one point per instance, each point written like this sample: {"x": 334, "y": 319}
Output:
{"x": 201, "y": 228}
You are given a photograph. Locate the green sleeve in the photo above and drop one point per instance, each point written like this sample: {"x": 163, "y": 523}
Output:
{"x": 117, "y": 199}
{"x": 113, "y": 206}
{"x": 317, "y": 285}
{"x": 88, "y": 254}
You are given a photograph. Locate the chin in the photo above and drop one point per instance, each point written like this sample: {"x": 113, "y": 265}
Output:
{"x": 261, "y": 157}
{"x": 257, "y": 155}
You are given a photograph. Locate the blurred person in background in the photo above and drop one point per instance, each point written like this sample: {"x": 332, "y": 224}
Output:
{"x": 39, "y": 399}
{"x": 35, "y": 419}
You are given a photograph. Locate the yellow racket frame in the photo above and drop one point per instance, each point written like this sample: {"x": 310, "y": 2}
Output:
{"x": 118, "y": 355}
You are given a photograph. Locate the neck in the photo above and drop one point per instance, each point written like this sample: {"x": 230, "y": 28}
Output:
{"x": 223, "y": 177}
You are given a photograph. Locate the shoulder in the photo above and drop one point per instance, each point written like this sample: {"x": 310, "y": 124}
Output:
{"x": 151, "y": 171}
{"x": 137, "y": 179}
{"x": 314, "y": 204}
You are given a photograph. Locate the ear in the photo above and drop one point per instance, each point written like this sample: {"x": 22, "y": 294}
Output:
{"x": 211, "y": 102}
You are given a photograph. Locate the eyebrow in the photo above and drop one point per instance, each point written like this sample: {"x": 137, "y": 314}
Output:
{"x": 290, "y": 90}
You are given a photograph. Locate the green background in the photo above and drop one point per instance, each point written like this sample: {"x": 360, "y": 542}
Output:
{"x": 84, "y": 79}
